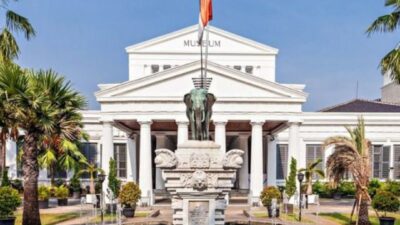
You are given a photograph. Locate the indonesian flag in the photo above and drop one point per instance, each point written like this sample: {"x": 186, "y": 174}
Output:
{"x": 204, "y": 17}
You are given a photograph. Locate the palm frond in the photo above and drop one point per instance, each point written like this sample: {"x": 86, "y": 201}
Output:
{"x": 18, "y": 23}
{"x": 386, "y": 23}
{"x": 9, "y": 48}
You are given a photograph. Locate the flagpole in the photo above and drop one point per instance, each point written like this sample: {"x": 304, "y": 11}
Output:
{"x": 206, "y": 53}
{"x": 201, "y": 64}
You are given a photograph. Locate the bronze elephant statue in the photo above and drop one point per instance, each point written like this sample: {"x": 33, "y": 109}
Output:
{"x": 199, "y": 111}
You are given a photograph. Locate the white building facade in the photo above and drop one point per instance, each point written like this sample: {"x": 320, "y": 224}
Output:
{"x": 253, "y": 113}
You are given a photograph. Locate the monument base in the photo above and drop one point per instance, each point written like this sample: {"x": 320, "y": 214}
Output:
{"x": 199, "y": 176}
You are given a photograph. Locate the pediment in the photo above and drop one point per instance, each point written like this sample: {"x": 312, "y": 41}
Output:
{"x": 185, "y": 41}
{"x": 227, "y": 84}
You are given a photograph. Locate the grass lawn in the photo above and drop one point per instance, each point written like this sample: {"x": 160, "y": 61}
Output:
{"x": 50, "y": 219}
{"x": 344, "y": 219}
{"x": 283, "y": 217}
{"x": 112, "y": 217}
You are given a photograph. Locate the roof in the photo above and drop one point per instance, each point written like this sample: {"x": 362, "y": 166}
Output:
{"x": 362, "y": 105}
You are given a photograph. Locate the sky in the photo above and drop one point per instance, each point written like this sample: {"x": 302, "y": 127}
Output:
{"x": 322, "y": 44}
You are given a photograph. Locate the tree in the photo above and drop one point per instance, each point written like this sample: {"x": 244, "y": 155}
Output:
{"x": 44, "y": 104}
{"x": 113, "y": 183}
{"x": 351, "y": 155}
{"x": 290, "y": 188}
{"x": 16, "y": 23}
{"x": 390, "y": 64}
{"x": 92, "y": 170}
{"x": 8, "y": 124}
{"x": 309, "y": 173}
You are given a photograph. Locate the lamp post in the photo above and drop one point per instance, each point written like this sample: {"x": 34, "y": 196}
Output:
{"x": 300, "y": 178}
{"x": 101, "y": 178}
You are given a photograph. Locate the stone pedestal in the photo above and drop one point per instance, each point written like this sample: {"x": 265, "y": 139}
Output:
{"x": 199, "y": 177}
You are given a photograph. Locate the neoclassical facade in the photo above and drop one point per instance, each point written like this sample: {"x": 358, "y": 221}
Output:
{"x": 252, "y": 112}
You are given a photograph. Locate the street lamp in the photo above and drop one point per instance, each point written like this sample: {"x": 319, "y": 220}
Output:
{"x": 300, "y": 178}
{"x": 101, "y": 178}
{"x": 281, "y": 189}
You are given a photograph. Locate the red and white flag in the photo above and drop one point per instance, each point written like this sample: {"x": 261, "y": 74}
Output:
{"x": 205, "y": 16}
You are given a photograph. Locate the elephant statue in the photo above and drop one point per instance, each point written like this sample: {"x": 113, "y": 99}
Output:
{"x": 199, "y": 111}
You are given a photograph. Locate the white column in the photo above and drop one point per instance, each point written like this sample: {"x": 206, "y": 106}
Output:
{"x": 256, "y": 176}
{"x": 244, "y": 170}
{"x": 11, "y": 158}
{"x": 145, "y": 163}
{"x": 131, "y": 154}
{"x": 183, "y": 130}
{"x": 271, "y": 167}
{"x": 160, "y": 143}
{"x": 107, "y": 152}
{"x": 220, "y": 134}
{"x": 294, "y": 143}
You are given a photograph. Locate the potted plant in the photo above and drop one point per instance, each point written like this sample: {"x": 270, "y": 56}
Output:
{"x": 92, "y": 170}
{"x": 75, "y": 187}
{"x": 385, "y": 201}
{"x": 310, "y": 172}
{"x": 266, "y": 197}
{"x": 114, "y": 185}
{"x": 43, "y": 197}
{"x": 62, "y": 193}
{"x": 128, "y": 197}
{"x": 9, "y": 201}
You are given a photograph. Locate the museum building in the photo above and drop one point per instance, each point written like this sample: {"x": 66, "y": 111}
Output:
{"x": 253, "y": 113}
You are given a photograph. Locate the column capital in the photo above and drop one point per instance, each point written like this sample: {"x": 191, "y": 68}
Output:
{"x": 145, "y": 122}
{"x": 182, "y": 122}
{"x": 294, "y": 122}
{"x": 107, "y": 121}
{"x": 220, "y": 122}
{"x": 257, "y": 123}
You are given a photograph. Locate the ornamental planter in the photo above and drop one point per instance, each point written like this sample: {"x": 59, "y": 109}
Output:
{"x": 62, "y": 201}
{"x": 277, "y": 213}
{"x": 288, "y": 208}
{"x": 128, "y": 212}
{"x": 7, "y": 221}
{"x": 111, "y": 208}
{"x": 387, "y": 220}
{"x": 43, "y": 204}
{"x": 76, "y": 195}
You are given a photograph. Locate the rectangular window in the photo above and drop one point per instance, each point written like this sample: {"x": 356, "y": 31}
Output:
{"x": 380, "y": 161}
{"x": 165, "y": 67}
{"x": 237, "y": 68}
{"x": 155, "y": 68}
{"x": 89, "y": 150}
{"x": 281, "y": 161}
{"x": 396, "y": 164}
{"x": 120, "y": 158}
{"x": 313, "y": 153}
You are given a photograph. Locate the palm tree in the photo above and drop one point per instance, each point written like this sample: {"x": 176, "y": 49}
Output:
{"x": 309, "y": 172}
{"x": 8, "y": 124}
{"x": 390, "y": 64}
{"x": 352, "y": 155}
{"x": 44, "y": 105}
{"x": 9, "y": 49}
{"x": 92, "y": 170}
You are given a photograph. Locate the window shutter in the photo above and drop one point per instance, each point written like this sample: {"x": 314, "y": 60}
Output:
{"x": 281, "y": 161}
{"x": 385, "y": 161}
{"x": 396, "y": 164}
{"x": 377, "y": 161}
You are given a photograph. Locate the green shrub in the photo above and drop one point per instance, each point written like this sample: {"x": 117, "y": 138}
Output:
{"x": 75, "y": 184}
{"x": 59, "y": 182}
{"x": 385, "y": 201}
{"x": 114, "y": 184}
{"x": 43, "y": 193}
{"x": 61, "y": 192}
{"x": 17, "y": 184}
{"x": 291, "y": 180}
{"x": 347, "y": 188}
{"x": 373, "y": 187}
{"x": 5, "y": 181}
{"x": 9, "y": 201}
{"x": 323, "y": 189}
{"x": 129, "y": 194}
{"x": 268, "y": 194}
{"x": 392, "y": 187}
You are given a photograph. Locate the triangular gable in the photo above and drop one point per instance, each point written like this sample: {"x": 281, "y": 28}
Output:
{"x": 184, "y": 41}
{"x": 227, "y": 84}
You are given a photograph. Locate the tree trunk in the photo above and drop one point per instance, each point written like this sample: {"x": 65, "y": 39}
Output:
{"x": 2, "y": 156}
{"x": 31, "y": 214}
{"x": 363, "y": 213}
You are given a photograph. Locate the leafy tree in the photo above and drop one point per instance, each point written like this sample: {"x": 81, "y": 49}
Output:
{"x": 16, "y": 23}
{"x": 5, "y": 181}
{"x": 389, "y": 23}
{"x": 351, "y": 155}
{"x": 291, "y": 180}
{"x": 309, "y": 172}
{"x": 114, "y": 183}
{"x": 92, "y": 170}
{"x": 43, "y": 104}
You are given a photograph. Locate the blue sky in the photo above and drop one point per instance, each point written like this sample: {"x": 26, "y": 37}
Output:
{"x": 322, "y": 43}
